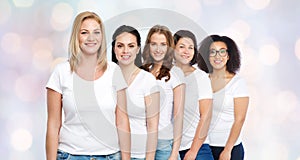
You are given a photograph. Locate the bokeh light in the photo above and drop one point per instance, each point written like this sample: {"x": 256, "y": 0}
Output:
{"x": 61, "y": 17}
{"x": 257, "y": 4}
{"x": 11, "y": 42}
{"x": 23, "y": 3}
{"x": 269, "y": 55}
{"x": 26, "y": 88}
{"x": 239, "y": 30}
{"x": 5, "y": 11}
{"x": 297, "y": 49}
{"x": 21, "y": 140}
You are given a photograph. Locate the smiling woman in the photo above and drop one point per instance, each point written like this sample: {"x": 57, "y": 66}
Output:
{"x": 198, "y": 99}
{"x": 79, "y": 88}
{"x": 142, "y": 92}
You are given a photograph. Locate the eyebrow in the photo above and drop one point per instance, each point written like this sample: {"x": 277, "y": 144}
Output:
{"x": 215, "y": 49}
{"x": 83, "y": 29}
{"x": 128, "y": 43}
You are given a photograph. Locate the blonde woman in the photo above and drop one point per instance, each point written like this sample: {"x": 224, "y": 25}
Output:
{"x": 79, "y": 88}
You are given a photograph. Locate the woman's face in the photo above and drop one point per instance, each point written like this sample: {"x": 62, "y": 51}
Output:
{"x": 158, "y": 47}
{"x": 218, "y": 55}
{"x": 90, "y": 37}
{"x": 126, "y": 48}
{"x": 184, "y": 51}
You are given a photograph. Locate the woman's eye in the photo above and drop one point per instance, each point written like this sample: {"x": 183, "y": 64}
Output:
{"x": 119, "y": 46}
{"x": 97, "y": 32}
{"x": 83, "y": 32}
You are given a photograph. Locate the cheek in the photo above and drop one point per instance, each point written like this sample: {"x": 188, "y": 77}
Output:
{"x": 211, "y": 60}
{"x": 117, "y": 52}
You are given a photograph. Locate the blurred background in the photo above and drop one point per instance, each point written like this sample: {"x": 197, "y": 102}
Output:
{"x": 34, "y": 37}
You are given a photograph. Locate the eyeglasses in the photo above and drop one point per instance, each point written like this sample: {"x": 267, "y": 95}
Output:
{"x": 221, "y": 52}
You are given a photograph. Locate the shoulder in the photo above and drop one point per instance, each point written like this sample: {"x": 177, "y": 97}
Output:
{"x": 201, "y": 74}
{"x": 238, "y": 80}
{"x": 62, "y": 67}
{"x": 176, "y": 71}
{"x": 147, "y": 75}
{"x": 112, "y": 66}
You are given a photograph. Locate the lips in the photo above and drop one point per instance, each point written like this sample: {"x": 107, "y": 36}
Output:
{"x": 90, "y": 44}
{"x": 185, "y": 56}
{"x": 217, "y": 61}
{"x": 125, "y": 57}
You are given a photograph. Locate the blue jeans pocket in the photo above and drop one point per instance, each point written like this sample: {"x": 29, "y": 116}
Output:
{"x": 61, "y": 155}
{"x": 115, "y": 156}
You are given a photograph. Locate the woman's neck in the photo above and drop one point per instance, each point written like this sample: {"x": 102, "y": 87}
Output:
{"x": 87, "y": 68}
{"x": 186, "y": 68}
{"x": 220, "y": 74}
{"x": 129, "y": 72}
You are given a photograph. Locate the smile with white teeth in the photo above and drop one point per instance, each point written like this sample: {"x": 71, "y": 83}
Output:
{"x": 90, "y": 44}
{"x": 217, "y": 61}
{"x": 185, "y": 56}
{"x": 125, "y": 57}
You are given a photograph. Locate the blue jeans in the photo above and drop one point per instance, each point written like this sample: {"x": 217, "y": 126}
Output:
{"x": 204, "y": 153}
{"x": 164, "y": 149}
{"x": 61, "y": 155}
{"x": 237, "y": 152}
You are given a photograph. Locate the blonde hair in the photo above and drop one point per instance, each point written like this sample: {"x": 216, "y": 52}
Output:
{"x": 74, "y": 48}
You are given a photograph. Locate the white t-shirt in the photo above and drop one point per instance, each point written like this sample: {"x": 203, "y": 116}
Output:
{"x": 89, "y": 108}
{"x": 198, "y": 87}
{"x": 223, "y": 111}
{"x": 165, "y": 126}
{"x": 143, "y": 85}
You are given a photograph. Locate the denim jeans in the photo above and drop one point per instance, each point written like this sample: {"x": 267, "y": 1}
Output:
{"x": 137, "y": 158}
{"x": 164, "y": 149}
{"x": 237, "y": 152}
{"x": 204, "y": 153}
{"x": 61, "y": 155}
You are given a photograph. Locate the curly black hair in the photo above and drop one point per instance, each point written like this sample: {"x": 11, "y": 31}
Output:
{"x": 234, "y": 62}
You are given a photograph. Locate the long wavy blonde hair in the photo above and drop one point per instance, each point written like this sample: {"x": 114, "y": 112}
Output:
{"x": 75, "y": 51}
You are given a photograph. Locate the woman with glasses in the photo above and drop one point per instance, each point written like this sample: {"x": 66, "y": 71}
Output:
{"x": 220, "y": 57}
{"x": 158, "y": 57}
{"x": 198, "y": 99}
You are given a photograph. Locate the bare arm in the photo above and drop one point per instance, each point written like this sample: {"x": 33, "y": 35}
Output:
{"x": 122, "y": 123}
{"x": 240, "y": 111}
{"x": 179, "y": 97}
{"x": 54, "y": 110}
{"x": 152, "y": 113}
{"x": 205, "y": 108}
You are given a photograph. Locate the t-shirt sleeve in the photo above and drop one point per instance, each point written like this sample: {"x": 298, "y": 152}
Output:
{"x": 204, "y": 87}
{"x": 177, "y": 76}
{"x": 118, "y": 78}
{"x": 240, "y": 88}
{"x": 151, "y": 85}
{"x": 54, "y": 81}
